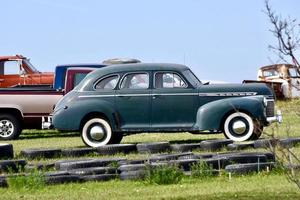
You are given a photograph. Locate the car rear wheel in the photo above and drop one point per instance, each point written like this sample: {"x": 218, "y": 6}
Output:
{"x": 10, "y": 127}
{"x": 239, "y": 127}
{"x": 96, "y": 132}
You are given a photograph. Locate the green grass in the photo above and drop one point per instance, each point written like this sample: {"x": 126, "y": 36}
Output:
{"x": 291, "y": 119}
{"x": 247, "y": 187}
{"x": 258, "y": 186}
{"x": 33, "y": 181}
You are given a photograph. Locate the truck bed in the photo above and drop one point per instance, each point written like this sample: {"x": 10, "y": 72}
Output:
{"x": 32, "y": 103}
{"x": 29, "y": 87}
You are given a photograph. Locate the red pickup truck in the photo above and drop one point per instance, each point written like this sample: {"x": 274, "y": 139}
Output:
{"x": 17, "y": 70}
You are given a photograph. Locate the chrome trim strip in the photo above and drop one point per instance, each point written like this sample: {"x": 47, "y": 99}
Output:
{"x": 227, "y": 94}
{"x": 175, "y": 94}
{"x": 138, "y": 95}
{"x": 101, "y": 95}
{"x": 132, "y": 95}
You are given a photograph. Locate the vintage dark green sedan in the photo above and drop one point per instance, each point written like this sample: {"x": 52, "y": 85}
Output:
{"x": 134, "y": 98}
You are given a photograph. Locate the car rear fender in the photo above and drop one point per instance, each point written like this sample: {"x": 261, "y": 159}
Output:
{"x": 80, "y": 111}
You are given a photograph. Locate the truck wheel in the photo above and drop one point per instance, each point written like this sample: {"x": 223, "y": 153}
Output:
{"x": 10, "y": 127}
{"x": 96, "y": 132}
{"x": 238, "y": 127}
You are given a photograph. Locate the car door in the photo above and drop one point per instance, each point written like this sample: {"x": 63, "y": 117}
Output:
{"x": 173, "y": 102}
{"x": 133, "y": 101}
{"x": 10, "y": 71}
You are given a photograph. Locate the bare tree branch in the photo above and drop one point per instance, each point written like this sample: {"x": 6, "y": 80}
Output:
{"x": 287, "y": 33}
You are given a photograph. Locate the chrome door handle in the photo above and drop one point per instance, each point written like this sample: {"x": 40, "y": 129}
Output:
{"x": 155, "y": 96}
{"x": 124, "y": 96}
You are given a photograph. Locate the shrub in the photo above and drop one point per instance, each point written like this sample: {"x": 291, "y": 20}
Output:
{"x": 201, "y": 170}
{"x": 164, "y": 175}
{"x": 33, "y": 181}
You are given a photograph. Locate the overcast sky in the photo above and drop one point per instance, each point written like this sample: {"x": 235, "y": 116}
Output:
{"x": 220, "y": 40}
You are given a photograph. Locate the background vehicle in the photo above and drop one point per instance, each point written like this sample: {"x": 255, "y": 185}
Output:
{"x": 26, "y": 106}
{"x": 136, "y": 98}
{"x": 17, "y": 70}
{"x": 284, "y": 79}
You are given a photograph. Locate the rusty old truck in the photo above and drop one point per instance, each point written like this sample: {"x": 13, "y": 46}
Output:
{"x": 284, "y": 79}
{"x": 26, "y": 107}
{"x": 17, "y": 70}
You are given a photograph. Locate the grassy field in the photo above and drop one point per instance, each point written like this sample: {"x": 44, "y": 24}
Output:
{"x": 248, "y": 187}
{"x": 256, "y": 186}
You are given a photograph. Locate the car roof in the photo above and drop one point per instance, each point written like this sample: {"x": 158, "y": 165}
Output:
{"x": 276, "y": 66}
{"x": 141, "y": 67}
{"x": 123, "y": 68}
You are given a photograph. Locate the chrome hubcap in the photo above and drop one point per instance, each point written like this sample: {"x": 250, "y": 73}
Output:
{"x": 97, "y": 132}
{"x": 239, "y": 127}
{"x": 6, "y": 128}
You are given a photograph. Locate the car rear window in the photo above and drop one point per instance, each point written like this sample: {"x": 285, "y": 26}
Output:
{"x": 107, "y": 83}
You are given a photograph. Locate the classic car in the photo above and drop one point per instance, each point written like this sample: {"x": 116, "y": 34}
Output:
{"x": 115, "y": 101}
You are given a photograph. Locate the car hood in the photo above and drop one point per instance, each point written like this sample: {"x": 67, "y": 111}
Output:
{"x": 248, "y": 89}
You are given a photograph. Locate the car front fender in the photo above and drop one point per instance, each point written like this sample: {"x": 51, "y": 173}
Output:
{"x": 211, "y": 115}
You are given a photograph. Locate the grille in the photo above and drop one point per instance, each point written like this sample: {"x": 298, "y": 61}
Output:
{"x": 270, "y": 111}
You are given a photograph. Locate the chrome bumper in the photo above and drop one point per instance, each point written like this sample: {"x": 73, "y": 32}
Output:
{"x": 47, "y": 122}
{"x": 276, "y": 118}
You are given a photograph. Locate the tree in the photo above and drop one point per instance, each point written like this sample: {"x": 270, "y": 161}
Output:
{"x": 287, "y": 33}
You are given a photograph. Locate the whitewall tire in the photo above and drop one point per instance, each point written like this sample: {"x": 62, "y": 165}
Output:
{"x": 96, "y": 132}
{"x": 238, "y": 127}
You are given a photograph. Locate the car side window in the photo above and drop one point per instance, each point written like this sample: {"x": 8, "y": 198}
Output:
{"x": 11, "y": 67}
{"x": 107, "y": 83}
{"x": 135, "y": 81}
{"x": 169, "y": 80}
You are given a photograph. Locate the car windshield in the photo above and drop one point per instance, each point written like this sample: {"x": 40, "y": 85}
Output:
{"x": 270, "y": 72}
{"x": 294, "y": 73}
{"x": 28, "y": 63}
{"x": 192, "y": 78}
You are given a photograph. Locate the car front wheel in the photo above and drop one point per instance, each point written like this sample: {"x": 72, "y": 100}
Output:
{"x": 239, "y": 127}
{"x": 96, "y": 132}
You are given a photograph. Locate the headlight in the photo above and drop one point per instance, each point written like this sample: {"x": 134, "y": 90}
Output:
{"x": 265, "y": 101}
